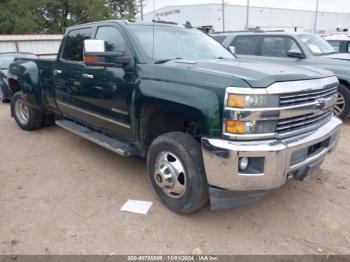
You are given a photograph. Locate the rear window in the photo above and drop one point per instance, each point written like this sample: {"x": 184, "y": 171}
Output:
{"x": 245, "y": 45}
{"x": 219, "y": 38}
{"x": 74, "y": 44}
{"x": 335, "y": 44}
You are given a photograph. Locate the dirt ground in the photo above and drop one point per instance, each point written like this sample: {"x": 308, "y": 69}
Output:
{"x": 60, "y": 194}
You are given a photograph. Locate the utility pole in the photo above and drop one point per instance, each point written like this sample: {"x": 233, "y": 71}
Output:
{"x": 247, "y": 16}
{"x": 316, "y": 17}
{"x": 223, "y": 15}
{"x": 141, "y": 8}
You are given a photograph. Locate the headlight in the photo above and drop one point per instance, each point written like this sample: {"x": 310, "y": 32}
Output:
{"x": 238, "y": 103}
{"x": 249, "y": 127}
{"x": 252, "y": 101}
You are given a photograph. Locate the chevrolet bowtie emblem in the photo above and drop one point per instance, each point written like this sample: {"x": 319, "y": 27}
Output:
{"x": 320, "y": 103}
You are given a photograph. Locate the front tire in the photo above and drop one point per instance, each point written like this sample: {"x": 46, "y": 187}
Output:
{"x": 27, "y": 117}
{"x": 175, "y": 169}
{"x": 342, "y": 107}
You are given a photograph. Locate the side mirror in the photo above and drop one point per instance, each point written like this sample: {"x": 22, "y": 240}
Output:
{"x": 95, "y": 55}
{"x": 232, "y": 49}
{"x": 295, "y": 53}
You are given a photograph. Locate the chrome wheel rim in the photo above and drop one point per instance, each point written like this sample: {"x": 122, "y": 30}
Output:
{"x": 340, "y": 105}
{"x": 22, "y": 111}
{"x": 170, "y": 175}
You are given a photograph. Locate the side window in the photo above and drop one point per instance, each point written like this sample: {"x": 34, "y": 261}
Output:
{"x": 348, "y": 44}
{"x": 113, "y": 38}
{"x": 335, "y": 45}
{"x": 219, "y": 38}
{"x": 74, "y": 44}
{"x": 245, "y": 45}
{"x": 278, "y": 46}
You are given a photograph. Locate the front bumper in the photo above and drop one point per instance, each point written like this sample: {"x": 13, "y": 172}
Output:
{"x": 283, "y": 159}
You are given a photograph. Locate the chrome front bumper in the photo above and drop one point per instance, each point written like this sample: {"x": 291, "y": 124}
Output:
{"x": 221, "y": 158}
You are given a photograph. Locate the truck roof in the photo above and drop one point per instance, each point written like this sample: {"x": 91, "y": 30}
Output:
{"x": 128, "y": 22}
{"x": 259, "y": 33}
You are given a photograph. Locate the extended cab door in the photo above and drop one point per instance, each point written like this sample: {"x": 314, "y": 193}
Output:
{"x": 108, "y": 90}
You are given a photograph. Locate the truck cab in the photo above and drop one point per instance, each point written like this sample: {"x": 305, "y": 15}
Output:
{"x": 210, "y": 126}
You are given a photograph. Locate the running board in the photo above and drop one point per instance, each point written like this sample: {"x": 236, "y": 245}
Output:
{"x": 112, "y": 144}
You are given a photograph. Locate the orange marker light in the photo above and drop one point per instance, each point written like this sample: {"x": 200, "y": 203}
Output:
{"x": 90, "y": 59}
{"x": 235, "y": 101}
{"x": 235, "y": 127}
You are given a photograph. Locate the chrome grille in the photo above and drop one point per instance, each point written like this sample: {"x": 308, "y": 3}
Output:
{"x": 308, "y": 96}
{"x": 300, "y": 122}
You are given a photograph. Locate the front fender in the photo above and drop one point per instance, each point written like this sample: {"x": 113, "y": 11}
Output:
{"x": 201, "y": 104}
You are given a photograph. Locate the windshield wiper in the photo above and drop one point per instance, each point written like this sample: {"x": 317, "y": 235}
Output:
{"x": 162, "y": 61}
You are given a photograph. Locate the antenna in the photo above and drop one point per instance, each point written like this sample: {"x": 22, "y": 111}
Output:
{"x": 154, "y": 16}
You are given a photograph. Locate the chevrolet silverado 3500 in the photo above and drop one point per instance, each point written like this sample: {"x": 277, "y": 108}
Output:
{"x": 211, "y": 126}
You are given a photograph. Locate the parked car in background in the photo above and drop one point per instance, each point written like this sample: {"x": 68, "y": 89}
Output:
{"x": 340, "y": 43}
{"x": 5, "y": 60}
{"x": 302, "y": 49}
{"x": 210, "y": 126}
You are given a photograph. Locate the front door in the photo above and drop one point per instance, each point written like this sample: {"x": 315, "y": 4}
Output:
{"x": 275, "y": 49}
{"x": 108, "y": 90}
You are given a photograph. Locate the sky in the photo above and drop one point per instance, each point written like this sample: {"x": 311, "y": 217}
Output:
{"x": 341, "y": 6}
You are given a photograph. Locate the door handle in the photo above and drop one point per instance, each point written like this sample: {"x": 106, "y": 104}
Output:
{"x": 57, "y": 72}
{"x": 88, "y": 76}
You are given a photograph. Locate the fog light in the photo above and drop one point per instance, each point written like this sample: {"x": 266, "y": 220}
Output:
{"x": 243, "y": 163}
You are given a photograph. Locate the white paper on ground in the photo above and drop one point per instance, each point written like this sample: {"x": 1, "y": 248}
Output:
{"x": 137, "y": 206}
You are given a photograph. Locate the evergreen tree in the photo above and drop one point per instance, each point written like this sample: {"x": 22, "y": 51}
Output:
{"x": 53, "y": 16}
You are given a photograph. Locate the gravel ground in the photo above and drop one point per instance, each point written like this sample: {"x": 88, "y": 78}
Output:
{"x": 60, "y": 194}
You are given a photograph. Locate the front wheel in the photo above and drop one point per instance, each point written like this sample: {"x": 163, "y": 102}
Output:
{"x": 175, "y": 169}
{"x": 342, "y": 107}
{"x": 27, "y": 117}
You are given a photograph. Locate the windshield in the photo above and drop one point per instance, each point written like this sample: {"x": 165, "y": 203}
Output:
{"x": 7, "y": 59}
{"x": 317, "y": 45}
{"x": 177, "y": 43}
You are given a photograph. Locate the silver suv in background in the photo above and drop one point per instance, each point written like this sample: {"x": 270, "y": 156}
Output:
{"x": 340, "y": 43}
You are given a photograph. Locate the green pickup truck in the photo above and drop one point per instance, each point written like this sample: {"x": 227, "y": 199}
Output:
{"x": 211, "y": 126}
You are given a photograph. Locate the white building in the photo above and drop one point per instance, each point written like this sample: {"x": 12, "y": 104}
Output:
{"x": 43, "y": 45}
{"x": 263, "y": 17}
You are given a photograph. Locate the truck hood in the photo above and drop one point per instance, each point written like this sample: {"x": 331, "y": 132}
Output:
{"x": 256, "y": 74}
{"x": 340, "y": 56}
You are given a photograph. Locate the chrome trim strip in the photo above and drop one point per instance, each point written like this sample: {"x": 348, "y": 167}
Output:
{"x": 248, "y": 114}
{"x": 301, "y": 86}
{"x": 246, "y": 91}
{"x": 285, "y": 87}
{"x": 122, "y": 112}
{"x": 93, "y": 114}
